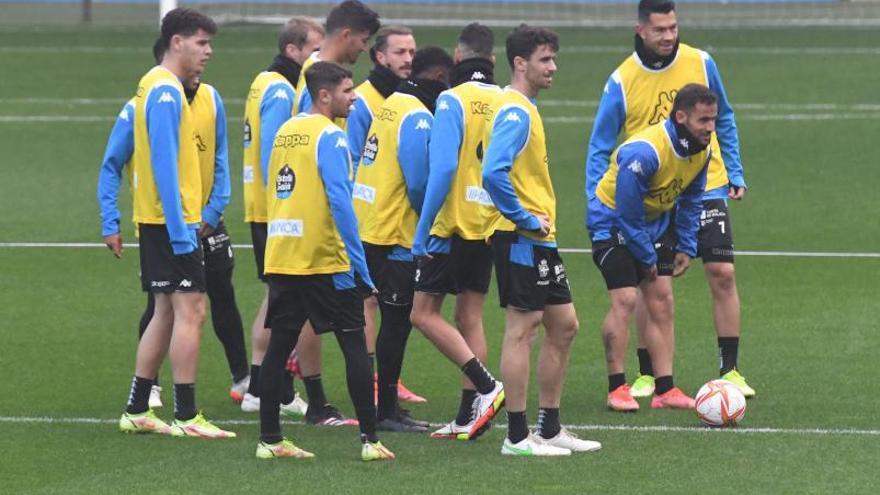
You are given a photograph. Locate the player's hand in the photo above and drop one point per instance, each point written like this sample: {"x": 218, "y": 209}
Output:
{"x": 544, "y": 230}
{"x": 682, "y": 262}
{"x": 736, "y": 192}
{"x": 420, "y": 251}
{"x": 205, "y": 231}
{"x": 114, "y": 244}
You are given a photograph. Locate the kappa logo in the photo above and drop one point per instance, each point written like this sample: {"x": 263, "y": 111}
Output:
{"x": 423, "y": 125}
{"x": 668, "y": 194}
{"x": 684, "y": 143}
{"x": 386, "y": 114}
{"x": 341, "y": 142}
{"x": 280, "y": 94}
{"x": 160, "y": 283}
{"x": 166, "y": 97}
{"x": 663, "y": 107}
{"x": 443, "y": 105}
{"x": 185, "y": 283}
{"x": 124, "y": 114}
{"x": 635, "y": 167}
{"x": 513, "y": 117}
{"x": 200, "y": 144}
{"x": 291, "y": 140}
{"x": 479, "y": 108}
{"x": 478, "y": 76}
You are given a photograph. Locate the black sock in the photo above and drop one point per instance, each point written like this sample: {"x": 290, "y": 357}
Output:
{"x": 254, "y": 386}
{"x": 226, "y": 320}
{"x": 728, "y": 349}
{"x": 517, "y": 429}
{"x": 315, "y": 392}
{"x": 479, "y": 375}
{"x": 359, "y": 381}
{"x": 139, "y": 397}
{"x": 645, "y": 366}
{"x": 663, "y": 384}
{"x": 287, "y": 390}
{"x": 281, "y": 343}
{"x": 548, "y": 422}
{"x": 184, "y": 401}
{"x": 615, "y": 381}
{"x": 466, "y": 407}
{"x": 372, "y": 357}
{"x": 390, "y": 347}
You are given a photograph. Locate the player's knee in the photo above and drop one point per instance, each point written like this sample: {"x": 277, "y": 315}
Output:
{"x": 623, "y": 301}
{"x": 721, "y": 276}
{"x": 466, "y": 321}
{"x": 566, "y": 331}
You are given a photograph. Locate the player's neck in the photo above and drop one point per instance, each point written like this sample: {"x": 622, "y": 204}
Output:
{"x": 330, "y": 52}
{"x": 173, "y": 65}
{"x": 321, "y": 110}
{"x": 522, "y": 85}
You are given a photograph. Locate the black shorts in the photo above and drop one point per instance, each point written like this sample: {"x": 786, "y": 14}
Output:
{"x": 293, "y": 299}
{"x": 621, "y": 269}
{"x": 164, "y": 272}
{"x": 394, "y": 278}
{"x": 715, "y": 239}
{"x": 218, "y": 250}
{"x": 259, "y": 232}
{"x": 467, "y": 266}
{"x": 529, "y": 277}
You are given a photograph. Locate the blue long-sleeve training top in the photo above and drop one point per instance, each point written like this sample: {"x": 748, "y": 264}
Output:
{"x": 356, "y": 126}
{"x": 510, "y": 134}
{"x": 447, "y": 135}
{"x": 276, "y": 108}
{"x": 120, "y": 146}
{"x": 412, "y": 154}
{"x": 611, "y": 117}
{"x": 632, "y": 188}
{"x": 333, "y": 165}
{"x": 222, "y": 189}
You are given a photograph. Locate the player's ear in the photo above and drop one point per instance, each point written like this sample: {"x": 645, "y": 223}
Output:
{"x": 680, "y": 116}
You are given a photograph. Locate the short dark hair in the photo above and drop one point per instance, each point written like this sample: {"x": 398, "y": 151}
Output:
{"x": 430, "y": 57}
{"x": 476, "y": 40}
{"x": 295, "y": 32}
{"x": 648, "y": 7}
{"x": 525, "y": 39}
{"x": 325, "y": 75}
{"x": 691, "y": 94}
{"x": 159, "y": 48}
{"x": 185, "y": 22}
{"x": 354, "y": 15}
{"x": 380, "y": 43}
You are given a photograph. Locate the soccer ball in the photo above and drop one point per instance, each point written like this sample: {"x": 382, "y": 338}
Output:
{"x": 720, "y": 403}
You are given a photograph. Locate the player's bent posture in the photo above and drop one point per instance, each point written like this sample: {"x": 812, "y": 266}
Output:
{"x": 210, "y": 124}
{"x": 392, "y": 55}
{"x": 314, "y": 256}
{"x": 167, "y": 194}
{"x": 388, "y": 194}
{"x": 639, "y": 94}
{"x": 450, "y": 239}
{"x": 643, "y": 223}
{"x": 349, "y": 25}
{"x": 269, "y": 104}
{"x": 532, "y": 284}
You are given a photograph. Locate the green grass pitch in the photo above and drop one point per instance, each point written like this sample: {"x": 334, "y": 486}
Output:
{"x": 807, "y": 121}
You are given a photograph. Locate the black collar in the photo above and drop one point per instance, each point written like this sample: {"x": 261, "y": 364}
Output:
{"x": 286, "y": 67}
{"x": 426, "y": 90}
{"x": 472, "y": 69}
{"x": 385, "y": 81}
{"x": 650, "y": 59}
{"x": 191, "y": 93}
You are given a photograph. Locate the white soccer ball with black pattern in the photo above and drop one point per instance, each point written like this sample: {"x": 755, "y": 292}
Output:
{"x": 720, "y": 403}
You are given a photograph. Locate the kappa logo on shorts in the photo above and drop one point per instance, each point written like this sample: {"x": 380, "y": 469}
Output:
{"x": 160, "y": 283}
{"x": 185, "y": 283}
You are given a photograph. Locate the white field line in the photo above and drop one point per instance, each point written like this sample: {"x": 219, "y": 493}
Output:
{"x": 765, "y": 117}
{"x": 783, "y": 254}
{"x": 549, "y": 103}
{"x": 582, "y": 427}
{"x": 813, "y": 51}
